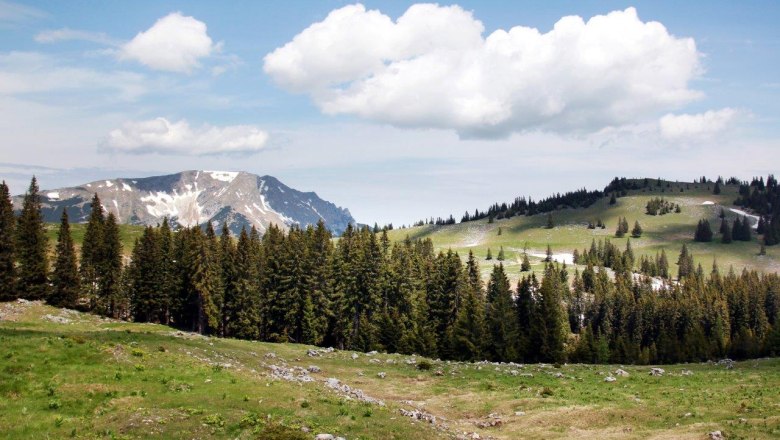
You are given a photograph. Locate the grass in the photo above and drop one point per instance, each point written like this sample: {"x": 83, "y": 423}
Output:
{"x": 667, "y": 232}
{"x": 127, "y": 235}
{"x": 95, "y": 378}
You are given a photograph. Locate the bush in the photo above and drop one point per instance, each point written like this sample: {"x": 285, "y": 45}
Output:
{"x": 424, "y": 365}
{"x": 279, "y": 432}
{"x": 546, "y": 392}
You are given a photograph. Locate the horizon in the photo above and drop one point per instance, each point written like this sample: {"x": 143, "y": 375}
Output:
{"x": 88, "y": 96}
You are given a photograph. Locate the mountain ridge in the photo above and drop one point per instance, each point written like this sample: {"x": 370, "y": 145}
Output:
{"x": 197, "y": 197}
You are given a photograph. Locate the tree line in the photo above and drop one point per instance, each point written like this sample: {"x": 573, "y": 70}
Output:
{"x": 363, "y": 292}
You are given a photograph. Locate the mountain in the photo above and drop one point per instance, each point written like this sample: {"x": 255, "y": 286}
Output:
{"x": 196, "y": 198}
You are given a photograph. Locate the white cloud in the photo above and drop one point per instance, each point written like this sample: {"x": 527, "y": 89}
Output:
{"x": 433, "y": 68}
{"x": 696, "y": 127}
{"x": 16, "y": 13}
{"x": 178, "y": 138}
{"x": 174, "y": 43}
{"x": 32, "y": 72}
{"x": 67, "y": 34}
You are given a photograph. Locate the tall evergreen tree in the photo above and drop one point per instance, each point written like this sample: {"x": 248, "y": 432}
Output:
{"x": 110, "y": 300}
{"x": 637, "y": 231}
{"x": 32, "y": 247}
{"x": 703, "y": 232}
{"x": 500, "y": 318}
{"x": 8, "y": 282}
{"x": 65, "y": 277}
{"x": 552, "y": 317}
{"x": 725, "y": 230}
{"x": 92, "y": 252}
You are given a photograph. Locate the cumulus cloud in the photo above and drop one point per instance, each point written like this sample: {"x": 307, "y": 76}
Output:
{"x": 695, "y": 127}
{"x": 433, "y": 68}
{"x": 162, "y": 136}
{"x": 174, "y": 43}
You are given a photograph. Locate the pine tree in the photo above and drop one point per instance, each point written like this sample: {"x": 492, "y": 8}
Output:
{"x": 65, "y": 277}
{"x": 550, "y": 223}
{"x": 489, "y": 255}
{"x": 109, "y": 270}
{"x": 745, "y": 234}
{"x": 468, "y": 330}
{"x": 703, "y": 232}
{"x": 145, "y": 278}
{"x": 244, "y": 309}
{"x": 725, "y": 230}
{"x": 8, "y": 282}
{"x": 612, "y": 199}
{"x": 552, "y": 317}
{"x": 500, "y": 321}
{"x": 92, "y": 252}
{"x": 716, "y": 191}
{"x": 684, "y": 263}
{"x": 501, "y": 256}
{"x": 637, "y": 231}
{"x": 32, "y": 247}
{"x": 525, "y": 266}
{"x": 548, "y": 254}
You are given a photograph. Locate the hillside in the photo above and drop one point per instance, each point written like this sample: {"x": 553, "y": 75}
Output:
{"x": 191, "y": 198}
{"x": 571, "y": 231}
{"x": 64, "y": 373}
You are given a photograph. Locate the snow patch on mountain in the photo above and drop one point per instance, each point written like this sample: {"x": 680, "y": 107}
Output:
{"x": 225, "y": 176}
{"x": 184, "y": 207}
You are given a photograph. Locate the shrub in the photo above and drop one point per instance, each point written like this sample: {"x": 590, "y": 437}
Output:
{"x": 424, "y": 365}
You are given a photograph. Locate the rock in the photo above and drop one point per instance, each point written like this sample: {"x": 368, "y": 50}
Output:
{"x": 439, "y": 373}
{"x": 558, "y": 375}
{"x": 688, "y": 415}
{"x": 375, "y": 361}
{"x": 324, "y": 437}
{"x": 270, "y": 355}
{"x": 312, "y": 353}
{"x": 728, "y": 363}
{"x": 514, "y": 372}
{"x": 419, "y": 415}
{"x": 716, "y": 435}
{"x": 355, "y": 356}
{"x": 328, "y": 350}
{"x": 381, "y": 374}
{"x": 657, "y": 371}
{"x": 57, "y": 319}
{"x": 687, "y": 373}
{"x": 609, "y": 379}
{"x": 314, "y": 369}
{"x": 519, "y": 413}
{"x": 372, "y": 353}
{"x": 622, "y": 373}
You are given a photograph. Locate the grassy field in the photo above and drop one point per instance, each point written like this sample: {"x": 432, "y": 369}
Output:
{"x": 127, "y": 235}
{"x": 667, "y": 232}
{"x": 66, "y": 374}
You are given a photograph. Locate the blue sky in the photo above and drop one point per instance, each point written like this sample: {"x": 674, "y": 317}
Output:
{"x": 394, "y": 110}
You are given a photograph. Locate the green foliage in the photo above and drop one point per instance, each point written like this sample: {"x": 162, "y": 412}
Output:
{"x": 31, "y": 248}
{"x": 65, "y": 277}
{"x": 8, "y": 281}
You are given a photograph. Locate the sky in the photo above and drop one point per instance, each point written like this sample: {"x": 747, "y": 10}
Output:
{"x": 395, "y": 110}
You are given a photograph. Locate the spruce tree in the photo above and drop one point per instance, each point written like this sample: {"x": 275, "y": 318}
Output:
{"x": 684, "y": 263}
{"x": 703, "y": 232}
{"x": 552, "y": 317}
{"x": 550, "y": 223}
{"x": 745, "y": 234}
{"x": 501, "y": 256}
{"x": 8, "y": 282}
{"x": 525, "y": 266}
{"x": 725, "y": 230}
{"x": 500, "y": 318}
{"x": 32, "y": 247}
{"x": 145, "y": 278}
{"x": 110, "y": 300}
{"x": 468, "y": 329}
{"x": 65, "y": 277}
{"x": 637, "y": 231}
{"x": 489, "y": 255}
{"x": 92, "y": 252}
